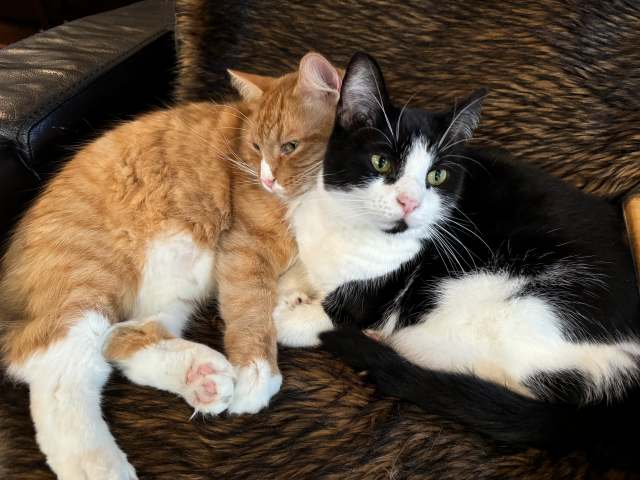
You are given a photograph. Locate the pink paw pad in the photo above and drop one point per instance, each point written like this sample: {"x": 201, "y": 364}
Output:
{"x": 209, "y": 392}
{"x": 204, "y": 393}
{"x": 203, "y": 370}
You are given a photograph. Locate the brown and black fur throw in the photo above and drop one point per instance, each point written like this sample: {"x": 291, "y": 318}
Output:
{"x": 326, "y": 422}
{"x": 562, "y": 76}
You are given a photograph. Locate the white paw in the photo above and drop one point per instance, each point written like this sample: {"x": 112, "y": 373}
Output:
{"x": 299, "y": 324}
{"x": 107, "y": 462}
{"x": 254, "y": 388}
{"x": 208, "y": 383}
{"x": 374, "y": 334}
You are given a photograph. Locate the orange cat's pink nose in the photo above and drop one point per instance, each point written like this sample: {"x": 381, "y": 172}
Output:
{"x": 268, "y": 182}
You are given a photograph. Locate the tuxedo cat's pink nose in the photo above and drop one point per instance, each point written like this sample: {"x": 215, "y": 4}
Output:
{"x": 408, "y": 204}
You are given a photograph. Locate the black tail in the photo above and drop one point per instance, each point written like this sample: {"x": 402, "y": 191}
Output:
{"x": 483, "y": 406}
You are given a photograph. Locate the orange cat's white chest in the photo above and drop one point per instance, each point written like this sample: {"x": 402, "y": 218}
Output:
{"x": 178, "y": 274}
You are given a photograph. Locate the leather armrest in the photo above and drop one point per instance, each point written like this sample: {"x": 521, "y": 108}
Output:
{"x": 60, "y": 87}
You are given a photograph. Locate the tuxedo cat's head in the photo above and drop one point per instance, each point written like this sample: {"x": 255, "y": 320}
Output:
{"x": 393, "y": 167}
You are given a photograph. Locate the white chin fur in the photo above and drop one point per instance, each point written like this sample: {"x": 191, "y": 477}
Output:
{"x": 254, "y": 388}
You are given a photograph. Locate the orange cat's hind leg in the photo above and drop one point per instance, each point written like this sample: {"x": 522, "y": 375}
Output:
{"x": 65, "y": 379}
{"x": 149, "y": 355}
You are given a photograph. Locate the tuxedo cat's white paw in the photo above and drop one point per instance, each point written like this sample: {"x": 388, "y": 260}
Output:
{"x": 299, "y": 323}
{"x": 209, "y": 381}
{"x": 254, "y": 388}
{"x": 374, "y": 334}
{"x": 296, "y": 298}
{"x": 107, "y": 462}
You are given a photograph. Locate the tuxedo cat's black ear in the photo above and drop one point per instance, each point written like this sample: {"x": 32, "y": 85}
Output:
{"x": 462, "y": 119}
{"x": 364, "y": 94}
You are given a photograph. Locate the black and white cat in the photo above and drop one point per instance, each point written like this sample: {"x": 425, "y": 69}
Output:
{"x": 491, "y": 292}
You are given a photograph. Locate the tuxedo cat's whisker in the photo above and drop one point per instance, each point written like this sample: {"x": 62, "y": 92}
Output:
{"x": 385, "y": 135}
{"x": 454, "y": 252}
{"x": 490, "y": 140}
{"x": 458, "y": 225}
{"x": 477, "y": 139}
{"x": 434, "y": 242}
{"x": 438, "y": 240}
{"x": 348, "y": 195}
{"x": 451, "y": 155}
{"x": 450, "y": 145}
{"x": 402, "y": 111}
{"x": 453, "y": 237}
{"x": 455, "y": 119}
{"x": 456, "y": 165}
{"x": 465, "y": 216}
{"x": 383, "y": 112}
{"x": 380, "y": 102}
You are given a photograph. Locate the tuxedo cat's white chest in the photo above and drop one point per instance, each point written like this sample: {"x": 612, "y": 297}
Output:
{"x": 335, "y": 253}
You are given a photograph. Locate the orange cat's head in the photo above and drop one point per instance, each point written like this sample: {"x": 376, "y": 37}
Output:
{"x": 290, "y": 123}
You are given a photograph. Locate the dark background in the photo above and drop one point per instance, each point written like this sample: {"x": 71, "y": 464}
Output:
{"x": 21, "y": 18}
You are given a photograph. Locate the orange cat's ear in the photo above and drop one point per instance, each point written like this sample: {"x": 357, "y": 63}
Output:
{"x": 251, "y": 87}
{"x": 318, "y": 79}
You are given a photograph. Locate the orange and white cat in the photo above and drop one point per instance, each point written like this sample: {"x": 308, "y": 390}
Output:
{"x": 138, "y": 229}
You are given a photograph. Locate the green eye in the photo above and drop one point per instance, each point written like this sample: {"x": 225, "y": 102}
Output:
{"x": 380, "y": 163}
{"x": 436, "y": 177}
{"x": 291, "y": 146}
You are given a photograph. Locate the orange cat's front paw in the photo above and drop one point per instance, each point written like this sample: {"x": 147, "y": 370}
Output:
{"x": 207, "y": 390}
{"x": 209, "y": 382}
{"x": 255, "y": 386}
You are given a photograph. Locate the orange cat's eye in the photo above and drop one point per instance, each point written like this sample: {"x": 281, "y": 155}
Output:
{"x": 255, "y": 145}
{"x": 290, "y": 146}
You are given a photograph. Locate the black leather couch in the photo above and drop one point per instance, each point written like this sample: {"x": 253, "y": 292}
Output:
{"x": 59, "y": 88}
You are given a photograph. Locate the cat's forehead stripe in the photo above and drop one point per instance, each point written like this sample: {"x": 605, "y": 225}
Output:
{"x": 418, "y": 158}
{"x": 270, "y": 115}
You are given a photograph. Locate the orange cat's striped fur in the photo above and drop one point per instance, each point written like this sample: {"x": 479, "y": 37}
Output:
{"x": 140, "y": 227}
